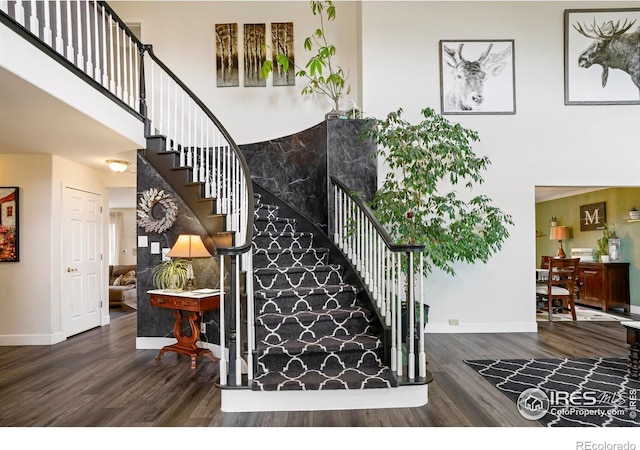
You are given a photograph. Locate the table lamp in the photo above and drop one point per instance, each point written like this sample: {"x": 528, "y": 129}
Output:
{"x": 189, "y": 246}
{"x": 559, "y": 234}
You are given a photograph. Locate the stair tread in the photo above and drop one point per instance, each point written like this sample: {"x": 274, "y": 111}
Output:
{"x": 328, "y": 289}
{"x": 324, "y": 344}
{"x": 366, "y": 377}
{"x": 274, "y": 251}
{"x": 283, "y": 234}
{"x": 294, "y": 269}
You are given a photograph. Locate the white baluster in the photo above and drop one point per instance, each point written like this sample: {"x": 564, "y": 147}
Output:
{"x": 34, "y": 24}
{"x": 47, "y": 35}
{"x": 97, "y": 73}
{"x": 411, "y": 309}
{"x": 79, "y": 55}
{"x": 4, "y": 6}
{"x": 160, "y": 124}
{"x": 399, "y": 333}
{"x": 238, "y": 325}
{"x": 182, "y": 132}
{"x": 223, "y": 340}
{"x": 394, "y": 321}
{"x": 88, "y": 40}
{"x": 136, "y": 77}
{"x": 250, "y": 320}
{"x": 207, "y": 173}
{"x": 19, "y": 12}
{"x": 132, "y": 90}
{"x": 125, "y": 73}
{"x": 118, "y": 72}
{"x": 70, "y": 51}
{"x": 152, "y": 97}
{"x": 105, "y": 74}
{"x": 59, "y": 40}
{"x": 422, "y": 355}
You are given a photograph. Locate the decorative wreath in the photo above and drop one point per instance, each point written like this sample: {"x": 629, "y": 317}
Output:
{"x": 148, "y": 200}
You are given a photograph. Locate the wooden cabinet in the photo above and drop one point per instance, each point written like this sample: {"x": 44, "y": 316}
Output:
{"x": 604, "y": 285}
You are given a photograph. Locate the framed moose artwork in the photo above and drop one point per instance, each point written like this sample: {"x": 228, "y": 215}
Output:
{"x": 477, "y": 77}
{"x": 601, "y": 48}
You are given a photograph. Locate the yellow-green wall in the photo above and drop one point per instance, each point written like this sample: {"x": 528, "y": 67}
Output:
{"x": 567, "y": 211}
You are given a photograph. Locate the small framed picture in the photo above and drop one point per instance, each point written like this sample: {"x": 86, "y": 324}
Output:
{"x": 593, "y": 216}
{"x": 477, "y": 77}
{"x": 601, "y": 57}
{"x": 9, "y": 226}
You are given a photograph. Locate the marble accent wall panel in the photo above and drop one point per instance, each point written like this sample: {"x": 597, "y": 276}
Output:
{"x": 158, "y": 322}
{"x": 296, "y": 168}
{"x": 350, "y": 159}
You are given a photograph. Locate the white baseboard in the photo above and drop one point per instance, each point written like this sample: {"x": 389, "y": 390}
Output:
{"x": 156, "y": 343}
{"x": 10, "y": 340}
{"x": 500, "y": 327}
{"x": 635, "y": 309}
{"x": 244, "y": 400}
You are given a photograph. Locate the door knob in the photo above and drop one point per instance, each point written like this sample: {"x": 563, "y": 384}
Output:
{"x": 69, "y": 269}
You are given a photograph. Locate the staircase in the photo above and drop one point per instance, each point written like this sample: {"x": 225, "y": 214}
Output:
{"x": 312, "y": 331}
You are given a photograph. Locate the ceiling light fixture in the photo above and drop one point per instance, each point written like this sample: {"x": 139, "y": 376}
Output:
{"x": 117, "y": 165}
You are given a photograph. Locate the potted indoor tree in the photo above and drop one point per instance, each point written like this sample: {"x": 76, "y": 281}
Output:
{"x": 323, "y": 75}
{"x": 413, "y": 203}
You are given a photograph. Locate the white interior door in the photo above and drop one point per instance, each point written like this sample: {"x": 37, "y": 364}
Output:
{"x": 82, "y": 243}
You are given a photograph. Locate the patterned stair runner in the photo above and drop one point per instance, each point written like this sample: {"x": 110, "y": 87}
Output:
{"x": 312, "y": 331}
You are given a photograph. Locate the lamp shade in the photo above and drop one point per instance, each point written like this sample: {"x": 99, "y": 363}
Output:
{"x": 189, "y": 246}
{"x": 559, "y": 233}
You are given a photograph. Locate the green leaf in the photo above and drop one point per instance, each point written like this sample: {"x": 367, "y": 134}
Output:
{"x": 267, "y": 68}
{"x": 283, "y": 61}
{"x": 308, "y": 44}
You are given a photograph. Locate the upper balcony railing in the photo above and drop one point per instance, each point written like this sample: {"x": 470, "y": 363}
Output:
{"x": 92, "y": 40}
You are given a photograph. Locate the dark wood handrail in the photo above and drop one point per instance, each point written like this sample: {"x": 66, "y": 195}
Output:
{"x": 246, "y": 245}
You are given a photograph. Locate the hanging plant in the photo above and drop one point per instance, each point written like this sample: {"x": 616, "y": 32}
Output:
{"x": 148, "y": 201}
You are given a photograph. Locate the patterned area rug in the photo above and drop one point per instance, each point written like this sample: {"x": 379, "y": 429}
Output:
{"x": 588, "y": 392}
{"x": 582, "y": 314}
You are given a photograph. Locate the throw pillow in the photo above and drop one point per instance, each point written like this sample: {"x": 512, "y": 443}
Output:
{"x": 128, "y": 278}
{"x": 117, "y": 281}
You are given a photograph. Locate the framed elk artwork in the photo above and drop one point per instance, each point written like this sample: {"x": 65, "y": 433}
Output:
{"x": 602, "y": 56}
{"x": 477, "y": 77}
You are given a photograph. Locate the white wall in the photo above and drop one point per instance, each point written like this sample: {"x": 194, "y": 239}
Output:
{"x": 25, "y": 306}
{"x": 129, "y": 240}
{"x": 30, "y": 290}
{"x": 544, "y": 143}
{"x": 182, "y": 35}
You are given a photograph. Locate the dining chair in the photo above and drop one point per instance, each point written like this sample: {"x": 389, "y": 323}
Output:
{"x": 560, "y": 286}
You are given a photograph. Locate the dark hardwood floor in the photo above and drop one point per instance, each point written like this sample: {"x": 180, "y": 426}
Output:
{"x": 99, "y": 379}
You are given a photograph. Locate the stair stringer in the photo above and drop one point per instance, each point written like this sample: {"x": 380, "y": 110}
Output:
{"x": 192, "y": 193}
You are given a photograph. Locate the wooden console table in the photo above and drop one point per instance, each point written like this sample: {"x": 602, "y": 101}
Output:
{"x": 633, "y": 339}
{"x": 604, "y": 285}
{"x": 193, "y": 303}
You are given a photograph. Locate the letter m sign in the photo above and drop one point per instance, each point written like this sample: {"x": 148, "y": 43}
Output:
{"x": 592, "y": 217}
